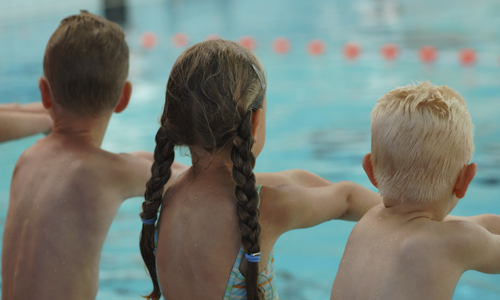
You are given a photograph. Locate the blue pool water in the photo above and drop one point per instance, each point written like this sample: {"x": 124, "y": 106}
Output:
{"x": 318, "y": 107}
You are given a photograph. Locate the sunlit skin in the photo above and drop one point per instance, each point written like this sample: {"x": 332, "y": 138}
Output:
{"x": 64, "y": 195}
{"x": 18, "y": 121}
{"x": 199, "y": 237}
{"x": 413, "y": 250}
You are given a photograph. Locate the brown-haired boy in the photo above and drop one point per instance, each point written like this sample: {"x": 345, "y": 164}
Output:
{"x": 65, "y": 189}
{"x": 407, "y": 247}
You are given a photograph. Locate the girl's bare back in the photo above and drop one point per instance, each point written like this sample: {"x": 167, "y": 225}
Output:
{"x": 199, "y": 219}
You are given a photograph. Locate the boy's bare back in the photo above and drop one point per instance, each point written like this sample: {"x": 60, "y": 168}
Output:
{"x": 66, "y": 190}
{"x": 64, "y": 196}
{"x": 408, "y": 247}
{"x": 392, "y": 254}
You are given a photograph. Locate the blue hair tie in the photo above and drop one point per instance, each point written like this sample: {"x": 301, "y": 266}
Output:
{"x": 253, "y": 257}
{"x": 150, "y": 221}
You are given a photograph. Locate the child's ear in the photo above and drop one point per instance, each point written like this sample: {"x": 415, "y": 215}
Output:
{"x": 124, "y": 98}
{"x": 45, "y": 92}
{"x": 464, "y": 178}
{"x": 367, "y": 166}
{"x": 256, "y": 115}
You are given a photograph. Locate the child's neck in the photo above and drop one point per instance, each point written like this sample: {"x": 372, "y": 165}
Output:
{"x": 204, "y": 162}
{"x": 436, "y": 210}
{"x": 81, "y": 130}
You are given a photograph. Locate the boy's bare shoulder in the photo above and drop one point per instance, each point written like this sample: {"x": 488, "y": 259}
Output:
{"x": 461, "y": 234}
{"x": 123, "y": 162}
{"x": 123, "y": 175}
{"x": 466, "y": 244}
{"x": 128, "y": 172}
{"x": 447, "y": 234}
{"x": 472, "y": 243}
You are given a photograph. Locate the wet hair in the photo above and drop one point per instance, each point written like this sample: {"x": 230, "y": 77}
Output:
{"x": 213, "y": 88}
{"x": 421, "y": 139}
{"x": 86, "y": 64}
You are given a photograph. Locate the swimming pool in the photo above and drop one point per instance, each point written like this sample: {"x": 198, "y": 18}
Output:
{"x": 318, "y": 106}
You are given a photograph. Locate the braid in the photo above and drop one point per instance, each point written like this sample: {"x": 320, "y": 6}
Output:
{"x": 161, "y": 171}
{"x": 247, "y": 201}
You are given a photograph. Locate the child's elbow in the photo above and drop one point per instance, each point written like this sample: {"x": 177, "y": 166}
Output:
{"x": 346, "y": 190}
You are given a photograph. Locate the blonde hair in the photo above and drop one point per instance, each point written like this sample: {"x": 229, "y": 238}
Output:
{"x": 421, "y": 139}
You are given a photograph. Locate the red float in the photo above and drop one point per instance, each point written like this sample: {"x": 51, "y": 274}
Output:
{"x": 316, "y": 47}
{"x": 428, "y": 54}
{"x": 248, "y": 42}
{"x": 281, "y": 45}
{"x": 390, "y": 51}
{"x": 149, "y": 40}
{"x": 467, "y": 57}
{"x": 180, "y": 40}
{"x": 352, "y": 50}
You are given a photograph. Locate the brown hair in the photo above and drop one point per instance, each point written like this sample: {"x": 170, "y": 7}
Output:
{"x": 213, "y": 88}
{"x": 86, "y": 64}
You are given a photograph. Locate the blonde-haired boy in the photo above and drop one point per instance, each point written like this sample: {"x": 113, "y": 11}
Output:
{"x": 407, "y": 247}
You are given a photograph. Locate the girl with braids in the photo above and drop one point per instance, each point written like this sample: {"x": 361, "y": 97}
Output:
{"x": 217, "y": 225}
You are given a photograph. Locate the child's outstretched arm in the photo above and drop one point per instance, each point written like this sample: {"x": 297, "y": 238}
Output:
{"x": 138, "y": 167}
{"x": 177, "y": 168}
{"x": 295, "y": 206}
{"x": 133, "y": 172}
{"x": 472, "y": 244}
{"x": 489, "y": 222}
{"x": 144, "y": 154}
{"x": 297, "y": 177}
{"x": 34, "y": 107}
{"x": 15, "y": 124}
